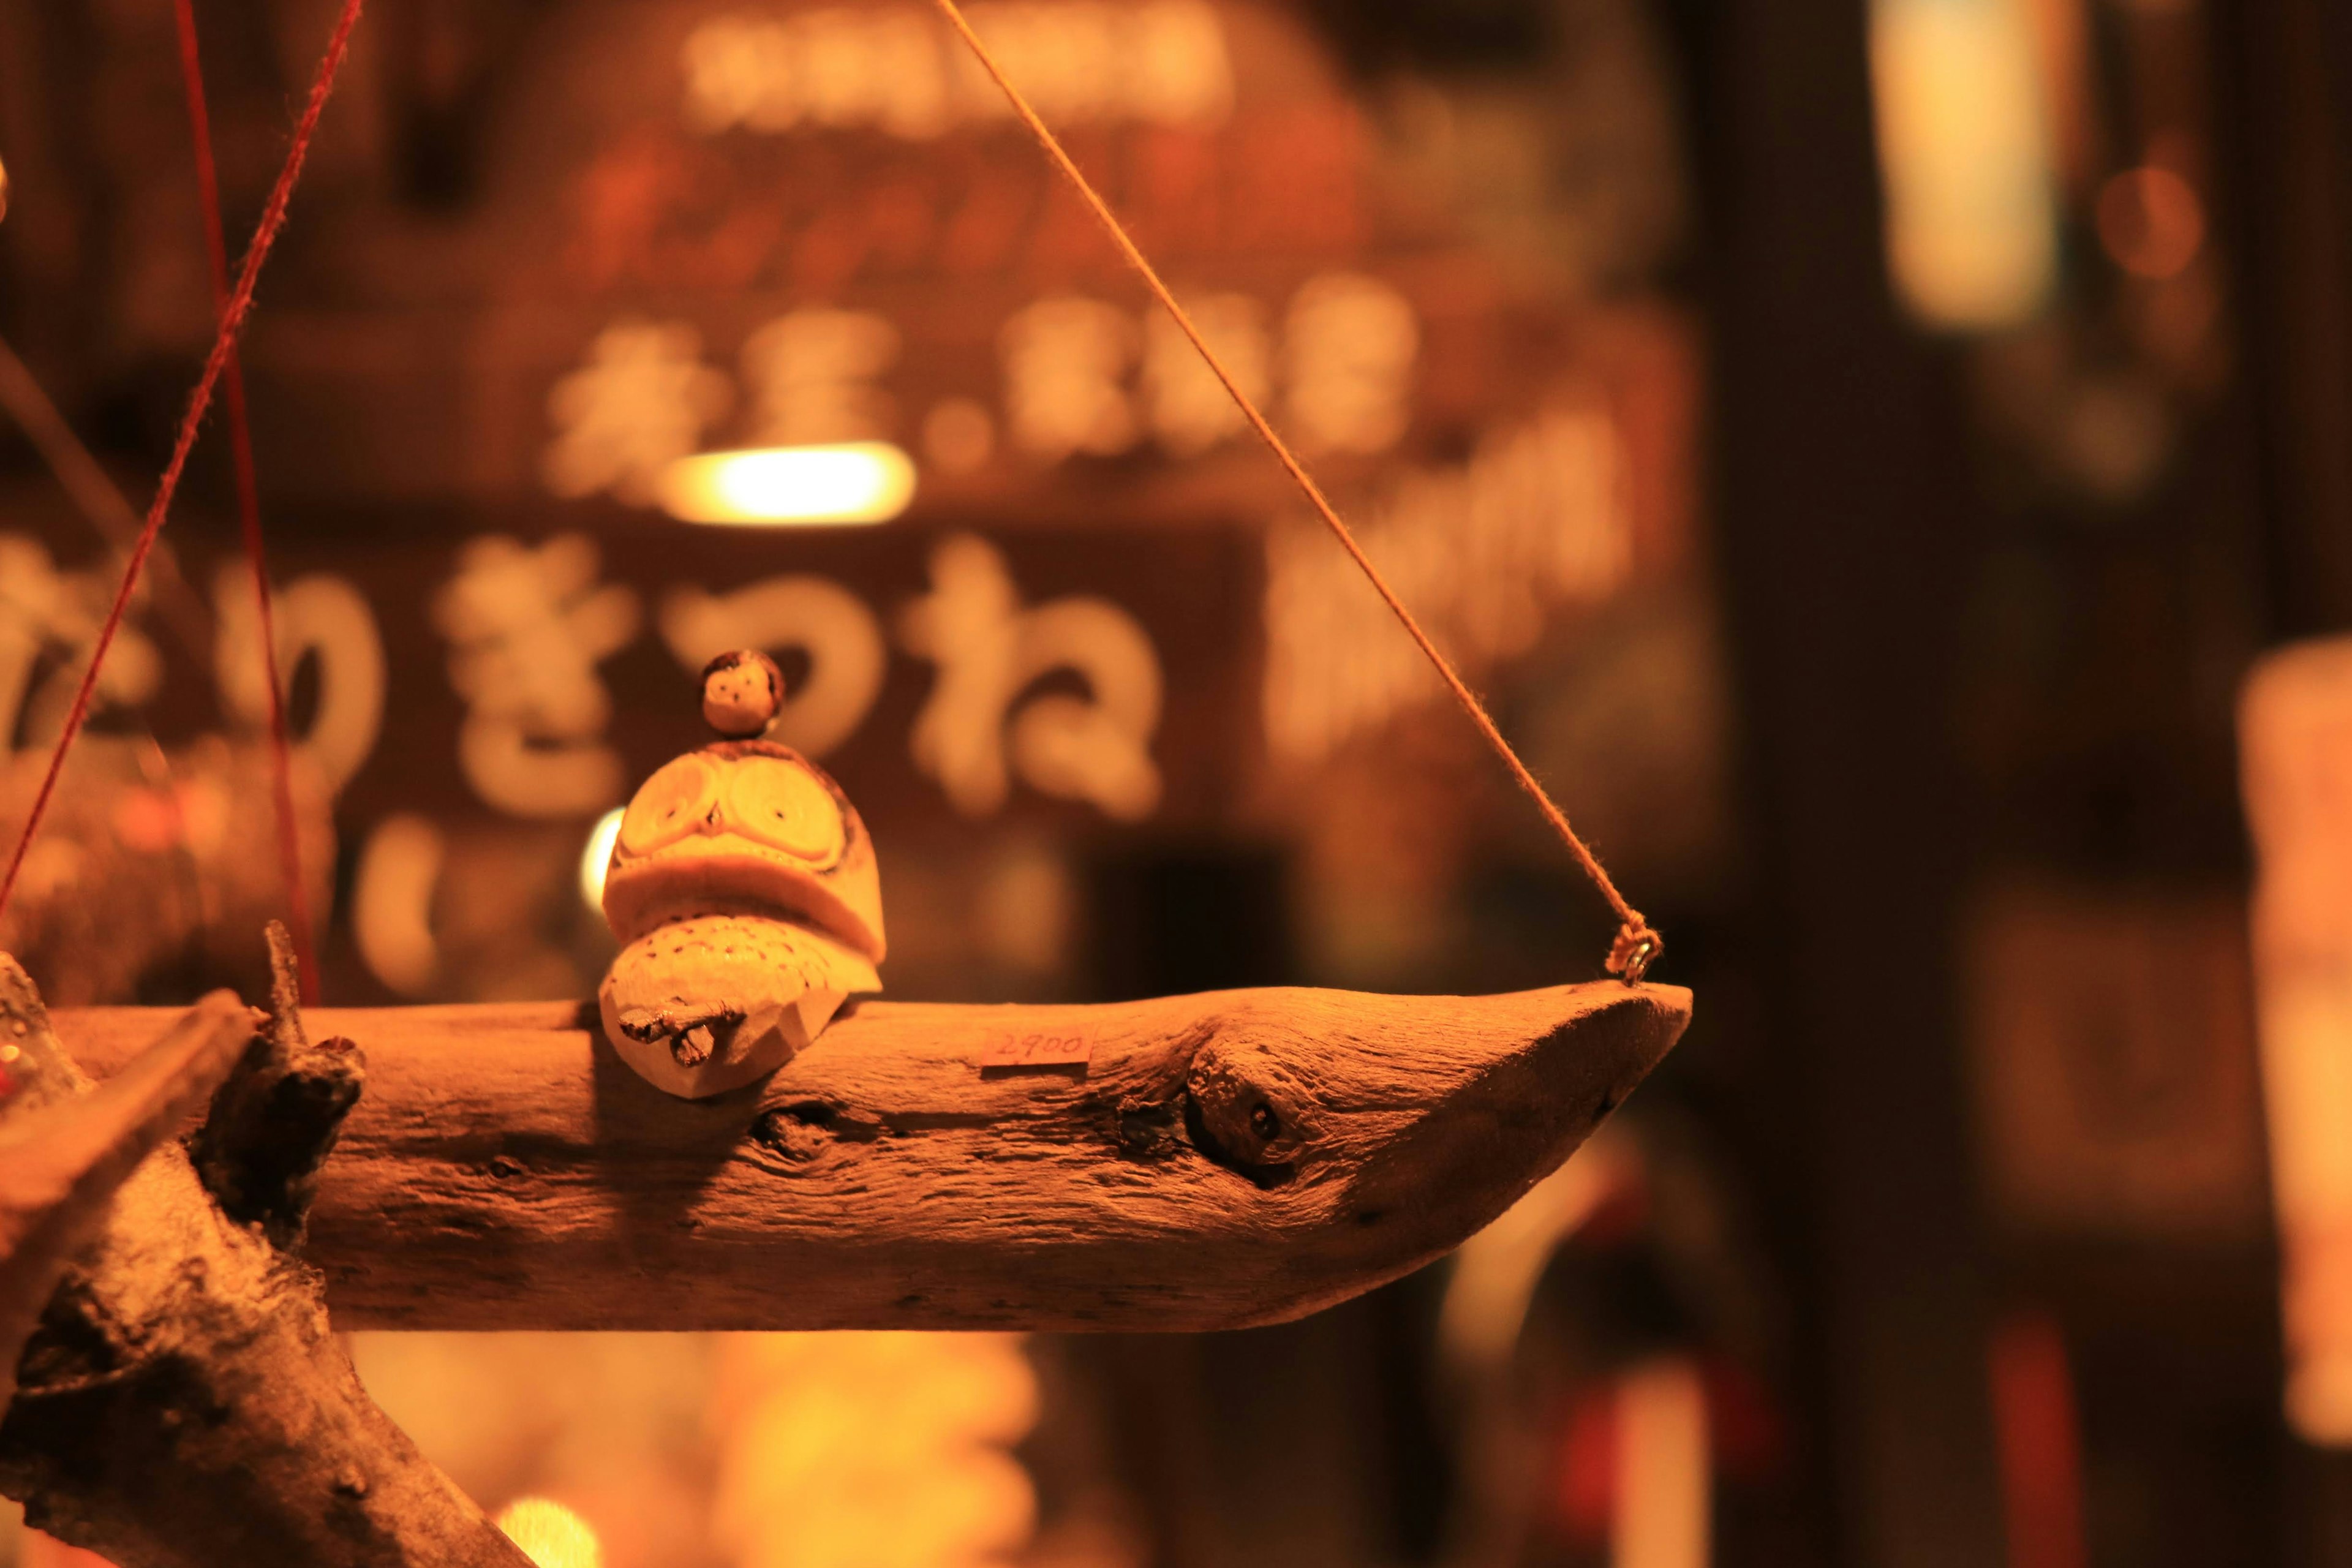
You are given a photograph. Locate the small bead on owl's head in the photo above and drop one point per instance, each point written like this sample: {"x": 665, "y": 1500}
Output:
{"x": 743, "y": 692}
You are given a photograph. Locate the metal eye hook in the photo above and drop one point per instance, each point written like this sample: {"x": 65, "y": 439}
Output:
{"x": 1636, "y": 948}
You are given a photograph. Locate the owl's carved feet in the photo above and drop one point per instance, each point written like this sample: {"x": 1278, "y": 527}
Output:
{"x": 692, "y": 1036}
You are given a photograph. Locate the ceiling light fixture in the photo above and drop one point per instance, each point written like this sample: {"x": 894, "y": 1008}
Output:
{"x": 855, "y": 482}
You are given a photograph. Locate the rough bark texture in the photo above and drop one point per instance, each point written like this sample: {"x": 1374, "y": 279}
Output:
{"x": 275, "y": 1120}
{"x": 183, "y": 1403}
{"x": 61, "y": 1163}
{"x": 1233, "y": 1158}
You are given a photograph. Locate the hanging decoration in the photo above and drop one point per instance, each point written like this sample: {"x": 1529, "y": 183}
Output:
{"x": 744, "y": 888}
{"x": 1199, "y": 1162}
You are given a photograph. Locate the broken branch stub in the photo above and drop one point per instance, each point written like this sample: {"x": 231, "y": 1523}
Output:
{"x": 275, "y": 1119}
{"x": 183, "y": 1403}
{"x": 1182, "y": 1163}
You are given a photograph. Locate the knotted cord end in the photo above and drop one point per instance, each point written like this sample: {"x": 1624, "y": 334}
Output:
{"x": 1636, "y": 948}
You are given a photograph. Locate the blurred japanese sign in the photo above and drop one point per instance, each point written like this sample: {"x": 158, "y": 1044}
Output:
{"x": 900, "y": 70}
{"x": 723, "y": 226}
{"x": 2111, "y": 1035}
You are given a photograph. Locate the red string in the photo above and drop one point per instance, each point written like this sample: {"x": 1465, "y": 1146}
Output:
{"x": 240, "y": 302}
{"x": 249, "y": 506}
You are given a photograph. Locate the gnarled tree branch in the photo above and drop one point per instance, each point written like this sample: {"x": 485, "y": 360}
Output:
{"x": 182, "y": 1403}
{"x": 61, "y": 1163}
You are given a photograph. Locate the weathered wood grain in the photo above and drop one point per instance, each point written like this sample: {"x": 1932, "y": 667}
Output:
{"x": 1231, "y": 1158}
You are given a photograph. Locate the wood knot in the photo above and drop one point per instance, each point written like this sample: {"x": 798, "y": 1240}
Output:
{"x": 807, "y": 1128}
{"x": 794, "y": 1132}
{"x": 1247, "y": 1115}
{"x": 1146, "y": 1128}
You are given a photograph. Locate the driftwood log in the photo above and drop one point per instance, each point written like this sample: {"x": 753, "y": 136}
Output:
{"x": 1205, "y": 1161}
{"x": 182, "y": 1402}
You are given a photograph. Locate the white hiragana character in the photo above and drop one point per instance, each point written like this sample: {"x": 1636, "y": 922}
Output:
{"x": 812, "y": 377}
{"x": 527, "y": 626}
{"x": 1349, "y": 348}
{"x": 1179, "y": 71}
{"x": 1190, "y": 410}
{"x": 321, "y": 617}
{"x": 46, "y": 613}
{"x": 989, "y": 650}
{"x": 640, "y": 403}
{"x": 738, "y": 72}
{"x": 1066, "y": 361}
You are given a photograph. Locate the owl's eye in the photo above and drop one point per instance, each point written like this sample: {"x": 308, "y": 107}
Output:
{"x": 783, "y": 806}
{"x": 668, "y": 805}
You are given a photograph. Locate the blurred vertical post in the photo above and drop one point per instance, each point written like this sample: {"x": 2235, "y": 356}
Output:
{"x": 1664, "y": 1505}
{"x": 2295, "y": 748}
{"x": 1843, "y": 509}
{"x": 2284, "y": 70}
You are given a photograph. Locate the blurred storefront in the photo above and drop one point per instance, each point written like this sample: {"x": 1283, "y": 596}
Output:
{"x": 565, "y": 287}
{"x": 1858, "y": 451}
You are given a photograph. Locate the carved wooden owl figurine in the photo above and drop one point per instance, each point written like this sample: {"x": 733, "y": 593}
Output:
{"x": 743, "y": 888}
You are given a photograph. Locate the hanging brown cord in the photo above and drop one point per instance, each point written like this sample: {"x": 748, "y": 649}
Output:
{"x": 1637, "y": 945}
{"x": 249, "y": 509}
{"x": 265, "y": 235}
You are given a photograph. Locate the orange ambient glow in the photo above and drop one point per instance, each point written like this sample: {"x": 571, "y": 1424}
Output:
{"x": 1971, "y": 218}
{"x": 551, "y": 1534}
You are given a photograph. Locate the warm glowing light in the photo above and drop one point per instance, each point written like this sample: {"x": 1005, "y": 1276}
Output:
{"x": 1661, "y": 1499}
{"x": 597, "y": 855}
{"x": 551, "y": 1534}
{"x": 2295, "y": 732}
{"x": 873, "y": 1450}
{"x": 858, "y": 481}
{"x": 1971, "y": 219}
